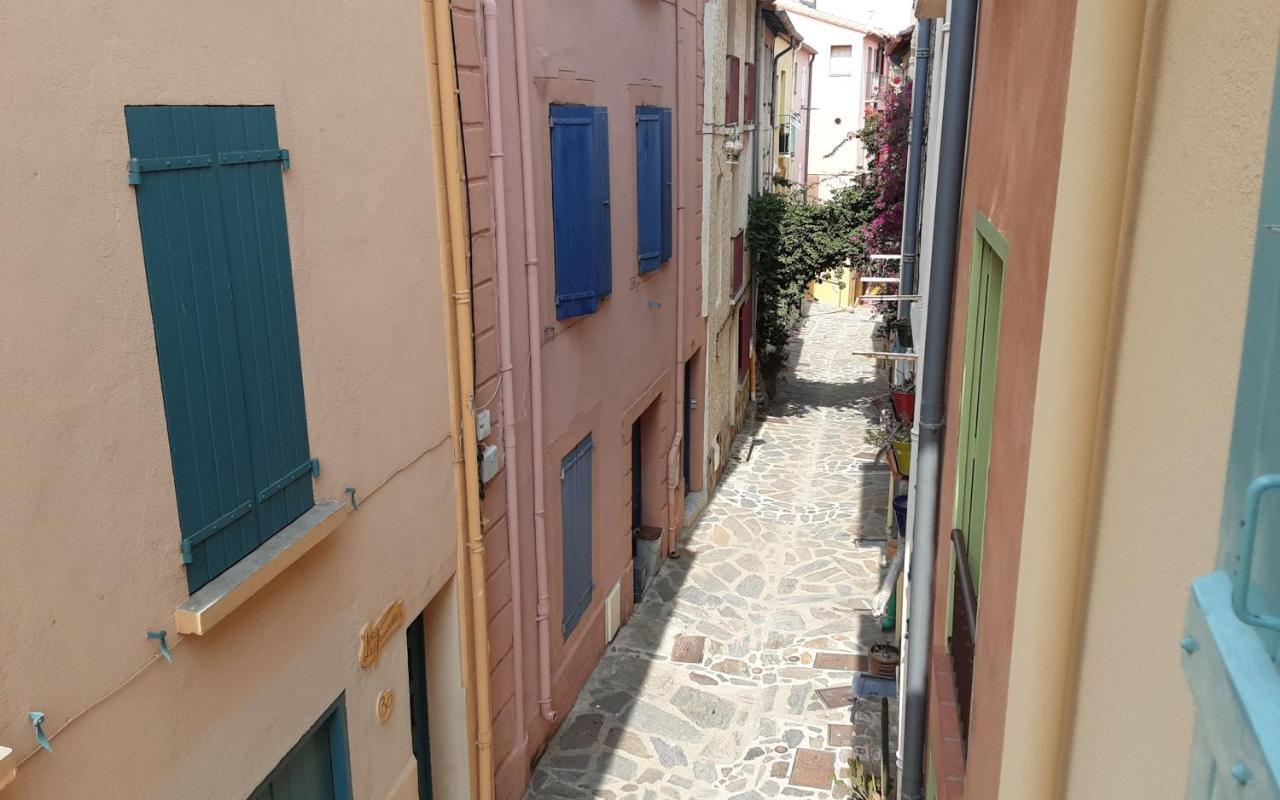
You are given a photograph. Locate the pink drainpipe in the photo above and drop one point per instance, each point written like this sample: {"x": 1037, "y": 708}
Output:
{"x": 532, "y": 286}
{"x": 676, "y": 515}
{"x": 506, "y": 385}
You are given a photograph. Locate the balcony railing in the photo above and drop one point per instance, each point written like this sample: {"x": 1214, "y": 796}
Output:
{"x": 964, "y": 632}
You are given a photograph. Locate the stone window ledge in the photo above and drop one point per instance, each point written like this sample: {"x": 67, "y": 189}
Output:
{"x": 214, "y": 601}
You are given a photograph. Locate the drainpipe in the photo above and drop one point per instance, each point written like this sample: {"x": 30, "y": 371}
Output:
{"x": 933, "y": 377}
{"x": 446, "y": 135}
{"x": 757, "y": 43}
{"x": 533, "y": 302}
{"x": 506, "y": 381}
{"x": 915, "y": 150}
{"x": 675, "y": 516}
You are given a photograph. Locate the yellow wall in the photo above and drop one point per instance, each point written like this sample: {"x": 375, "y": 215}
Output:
{"x": 1186, "y": 252}
{"x": 90, "y": 544}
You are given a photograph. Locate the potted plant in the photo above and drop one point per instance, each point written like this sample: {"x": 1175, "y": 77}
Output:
{"x": 904, "y": 402}
{"x": 900, "y": 443}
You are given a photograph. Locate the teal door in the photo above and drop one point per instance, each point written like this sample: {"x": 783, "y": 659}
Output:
{"x": 1232, "y": 641}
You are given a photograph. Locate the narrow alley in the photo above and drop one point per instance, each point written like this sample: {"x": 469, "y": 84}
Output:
{"x": 733, "y": 676}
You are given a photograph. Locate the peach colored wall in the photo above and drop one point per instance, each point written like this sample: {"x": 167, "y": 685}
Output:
{"x": 599, "y": 371}
{"x": 1170, "y": 396}
{"x": 1015, "y": 137}
{"x": 91, "y": 535}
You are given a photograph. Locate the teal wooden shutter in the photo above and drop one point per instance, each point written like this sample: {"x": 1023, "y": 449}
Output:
{"x": 317, "y": 768}
{"x": 580, "y": 209}
{"x": 575, "y": 511}
{"x": 604, "y": 234}
{"x": 649, "y": 188}
{"x": 1232, "y": 641}
{"x": 216, "y": 250}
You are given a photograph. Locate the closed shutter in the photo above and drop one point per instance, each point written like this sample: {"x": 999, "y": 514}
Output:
{"x": 739, "y": 264}
{"x": 317, "y": 768}
{"x": 216, "y": 249}
{"x": 580, "y": 208}
{"x": 732, "y": 83}
{"x": 667, "y": 218}
{"x": 749, "y": 95}
{"x": 649, "y": 188}
{"x": 575, "y": 510}
{"x": 744, "y": 339}
{"x": 1232, "y": 637}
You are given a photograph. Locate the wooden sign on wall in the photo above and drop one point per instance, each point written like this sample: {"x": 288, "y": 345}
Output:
{"x": 376, "y": 634}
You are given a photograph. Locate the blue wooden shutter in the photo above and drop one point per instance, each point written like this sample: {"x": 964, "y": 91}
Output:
{"x": 649, "y": 187}
{"x": 211, "y": 212}
{"x": 575, "y": 215}
{"x": 604, "y": 235}
{"x": 1232, "y": 642}
{"x": 575, "y": 511}
{"x": 667, "y": 217}
{"x": 318, "y": 766}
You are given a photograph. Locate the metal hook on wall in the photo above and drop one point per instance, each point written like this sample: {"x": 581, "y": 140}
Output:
{"x": 37, "y": 722}
{"x": 164, "y": 645}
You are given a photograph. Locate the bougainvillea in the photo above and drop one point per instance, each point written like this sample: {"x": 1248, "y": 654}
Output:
{"x": 885, "y": 136}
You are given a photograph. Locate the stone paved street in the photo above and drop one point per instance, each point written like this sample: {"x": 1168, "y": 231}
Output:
{"x": 714, "y": 687}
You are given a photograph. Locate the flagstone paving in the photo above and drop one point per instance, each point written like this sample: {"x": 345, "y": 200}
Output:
{"x": 714, "y": 687}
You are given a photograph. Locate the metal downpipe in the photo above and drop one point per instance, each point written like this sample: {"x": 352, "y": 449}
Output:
{"x": 915, "y": 154}
{"x": 933, "y": 376}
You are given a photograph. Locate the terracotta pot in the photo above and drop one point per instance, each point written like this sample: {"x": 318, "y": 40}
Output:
{"x": 904, "y": 405}
{"x": 883, "y": 659}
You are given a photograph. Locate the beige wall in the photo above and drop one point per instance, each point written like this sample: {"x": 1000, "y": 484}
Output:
{"x": 91, "y": 537}
{"x": 1203, "y": 104}
{"x": 729, "y": 29}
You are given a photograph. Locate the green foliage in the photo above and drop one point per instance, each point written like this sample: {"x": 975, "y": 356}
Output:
{"x": 796, "y": 242}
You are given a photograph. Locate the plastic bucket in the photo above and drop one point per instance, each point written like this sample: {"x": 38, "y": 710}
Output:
{"x": 646, "y": 548}
{"x": 900, "y": 514}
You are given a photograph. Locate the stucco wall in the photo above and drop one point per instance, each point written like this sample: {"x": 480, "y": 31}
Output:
{"x": 599, "y": 371}
{"x": 1015, "y": 138}
{"x": 91, "y": 536}
{"x": 834, "y": 153}
{"x": 1170, "y": 398}
{"x": 729, "y": 29}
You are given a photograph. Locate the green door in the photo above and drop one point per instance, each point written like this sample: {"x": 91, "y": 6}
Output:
{"x": 977, "y": 397}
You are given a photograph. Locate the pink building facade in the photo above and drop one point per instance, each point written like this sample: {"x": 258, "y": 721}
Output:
{"x": 588, "y": 328}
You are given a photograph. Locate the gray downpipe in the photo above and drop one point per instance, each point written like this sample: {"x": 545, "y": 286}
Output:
{"x": 951, "y": 156}
{"x": 915, "y": 153}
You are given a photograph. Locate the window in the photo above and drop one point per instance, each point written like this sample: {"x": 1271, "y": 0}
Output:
{"x": 739, "y": 264}
{"x": 842, "y": 59}
{"x": 419, "y": 721}
{"x": 216, "y": 248}
{"x": 317, "y": 767}
{"x": 575, "y": 510}
{"x": 580, "y": 208}
{"x": 749, "y": 96}
{"x": 786, "y": 145}
{"x": 744, "y": 339}
{"x": 732, "y": 84}
{"x": 653, "y": 187}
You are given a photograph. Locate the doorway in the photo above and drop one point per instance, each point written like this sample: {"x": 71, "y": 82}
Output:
{"x": 418, "y": 718}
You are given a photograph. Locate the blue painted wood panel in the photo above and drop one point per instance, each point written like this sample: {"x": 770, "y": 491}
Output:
{"x": 216, "y": 253}
{"x": 575, "y": 510}
{"x": 580, "y": 208}
{"x": 649, "y": 187}
{"x": 1230, "y": 659}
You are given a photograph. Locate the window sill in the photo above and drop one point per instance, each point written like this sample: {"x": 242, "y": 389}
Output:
{"x": 8, "y": 766}
{"x": 214, "y": 601}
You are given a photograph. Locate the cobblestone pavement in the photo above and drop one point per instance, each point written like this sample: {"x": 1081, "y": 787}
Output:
{"x": 714, "y": 687}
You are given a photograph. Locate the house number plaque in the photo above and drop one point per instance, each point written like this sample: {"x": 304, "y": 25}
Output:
{"x": 376, "y": 634}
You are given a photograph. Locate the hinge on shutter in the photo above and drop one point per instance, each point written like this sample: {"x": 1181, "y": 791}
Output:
{"x": 188, "y": 556}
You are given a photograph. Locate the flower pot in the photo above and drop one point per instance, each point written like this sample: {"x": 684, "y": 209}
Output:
{"x": 902, "y": 455}
{"x": 882, "y": 661}
{"x": 904, "y": 405}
